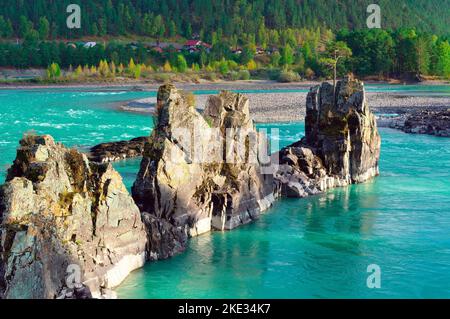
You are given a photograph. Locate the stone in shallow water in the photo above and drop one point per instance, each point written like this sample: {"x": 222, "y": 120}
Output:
{"x": 189, "y": 181}
{"x": 428, "y": 122}
{"x": 116, "y": 151}
{"x": 341, "y": 146}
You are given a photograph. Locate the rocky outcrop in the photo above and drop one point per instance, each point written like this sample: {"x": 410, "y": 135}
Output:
{"x": 199, "y": 171}
{"x": 424, "y": 122}
{"x": 69, "y": 228}
{"x": 117, "y": 151}
{"x": 341, "y": 145}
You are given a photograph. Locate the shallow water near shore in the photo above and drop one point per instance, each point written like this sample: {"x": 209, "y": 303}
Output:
{"x": 317, "y": 247}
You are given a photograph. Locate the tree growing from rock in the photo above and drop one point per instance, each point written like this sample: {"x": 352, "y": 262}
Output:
{"x": 336, "y": 51}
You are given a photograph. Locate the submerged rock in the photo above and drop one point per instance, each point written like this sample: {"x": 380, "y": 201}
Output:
{"x": 341, "y": 145}
{"x": 427, "y": 122}
{"x": 199, "y": 171}
{"x": 69, "y": 228}
{"x": 116, "y": 151}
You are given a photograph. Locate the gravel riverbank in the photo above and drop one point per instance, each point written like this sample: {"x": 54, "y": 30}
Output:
{"x": 291, "y": 106}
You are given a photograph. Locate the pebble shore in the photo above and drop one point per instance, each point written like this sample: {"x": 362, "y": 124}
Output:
{"x": 291, "y": 106}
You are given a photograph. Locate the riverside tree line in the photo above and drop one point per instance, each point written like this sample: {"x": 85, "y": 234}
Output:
{"x": 273, "y": 42}
{"x": 231, "y": 18}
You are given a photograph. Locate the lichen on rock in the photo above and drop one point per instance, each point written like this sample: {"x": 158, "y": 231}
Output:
{"x": 59, "y": 211}
{"x": 191, "y": 180}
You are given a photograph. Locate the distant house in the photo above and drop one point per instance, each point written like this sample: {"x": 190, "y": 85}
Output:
{"x": 236, "y": 51}
{"x": 193, "y": 43}
{"x": 88, "y": 45}
{"x": 196, "y": 45}
{"x": 260, "y": 51}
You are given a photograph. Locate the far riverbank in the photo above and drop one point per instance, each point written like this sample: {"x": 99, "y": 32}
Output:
{"x": 200, "y": 85}
{"x": 290, "y": 106}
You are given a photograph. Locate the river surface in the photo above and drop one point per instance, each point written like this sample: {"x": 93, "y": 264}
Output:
{"x": 319, "y": 247}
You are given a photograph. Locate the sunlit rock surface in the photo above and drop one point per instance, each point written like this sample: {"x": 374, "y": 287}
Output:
{"x": 341, "y": 145}
{"x": 69, "y": 228}
{"x": 200, "y": 172}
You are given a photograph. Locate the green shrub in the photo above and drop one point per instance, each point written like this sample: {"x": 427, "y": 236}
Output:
{"x": 241, "y": 75}
{"x": 162, "y": 77}
{"x": 181, "y": 63}
{"x": 232, "y": 65}
{"x": 273, "y": 74}
{"x": 211, "y": 76}
{"x": 288, "y": 76}
{"x": 244, "y": 75}
{"x": 233, "y": 76}
{"x": 223, "y": 67}
{"x": 309, "y": 73}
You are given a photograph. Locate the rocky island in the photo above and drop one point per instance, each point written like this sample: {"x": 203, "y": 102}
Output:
{"x": 430, "y": 122}
{"x": 341, "y": 145}
{"x": 190, "y": 189}
{"x": 117, "y": 151}
{"x": 58, "y": 212}
{"x": 200, "y": 172}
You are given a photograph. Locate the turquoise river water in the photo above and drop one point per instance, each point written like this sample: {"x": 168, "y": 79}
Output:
{"x": 317, "y": 247}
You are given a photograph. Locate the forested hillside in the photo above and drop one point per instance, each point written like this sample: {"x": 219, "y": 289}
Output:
{"x": 282, "y": 39}
{"x": 166, "y": 18}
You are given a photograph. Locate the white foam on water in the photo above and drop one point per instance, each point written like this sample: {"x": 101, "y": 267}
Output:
{"x": 98, "y": 93}
{"x": 125, "y": 135}
{"x": 96, "y": 134}
{"x": 54, "y": 125}
{"x": 106, "y": 126}
{"x": 78, "y": 113}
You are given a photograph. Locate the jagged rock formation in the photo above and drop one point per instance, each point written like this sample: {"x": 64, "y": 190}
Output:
{"x": 341, "y": 146}
{"x": 59, "y": 214}
{"x": 189, "y": 180}
{"x": 116, "y": 151}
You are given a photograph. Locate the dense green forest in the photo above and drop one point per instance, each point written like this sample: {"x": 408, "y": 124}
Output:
{"x": 227, "y": 17}
{"x": 282, "y": 39}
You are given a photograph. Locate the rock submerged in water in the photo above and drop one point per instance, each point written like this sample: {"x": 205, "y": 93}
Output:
{"x": 427, "y": 122}
{"x": 64, "y": 218}
{"x": 341, "y": 145}
{"x": 117, "y": 151}
{"x": 187, "y": 185}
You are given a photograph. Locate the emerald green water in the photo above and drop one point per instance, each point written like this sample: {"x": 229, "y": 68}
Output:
{"x": 318, "y": 247}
